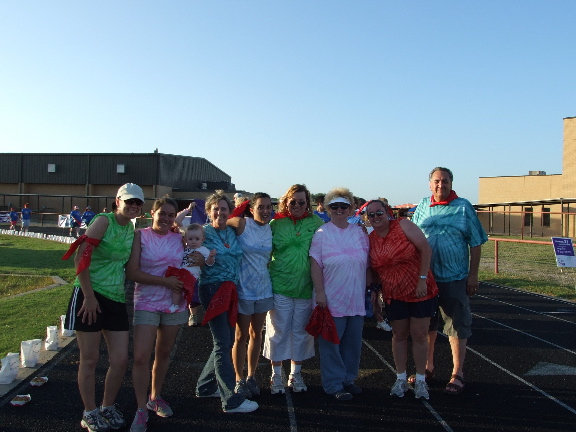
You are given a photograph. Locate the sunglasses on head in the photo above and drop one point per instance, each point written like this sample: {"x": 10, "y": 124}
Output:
{"x": 341, "y": 206}
{"x": 300, "y": 203}
{"x": 374, "y": 214}
{"x": 133, "y": 201}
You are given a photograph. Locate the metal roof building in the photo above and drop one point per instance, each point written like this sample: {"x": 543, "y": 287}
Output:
{"x": 100, "y": 174}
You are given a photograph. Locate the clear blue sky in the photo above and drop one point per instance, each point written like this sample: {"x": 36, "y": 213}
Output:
{"x": 364, "y": 94}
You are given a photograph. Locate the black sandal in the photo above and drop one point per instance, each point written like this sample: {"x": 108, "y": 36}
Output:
{"x": 454, "y": 389}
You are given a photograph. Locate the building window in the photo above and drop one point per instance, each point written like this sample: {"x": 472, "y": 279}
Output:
{"x": 51, "y": 167}
{"x": 546, "y": 216}
{"x": 120, "y": 169}
{"x": 528, "y": 216}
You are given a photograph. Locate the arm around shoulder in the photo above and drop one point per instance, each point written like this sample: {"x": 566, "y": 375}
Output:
{"x": 238, "y": 223}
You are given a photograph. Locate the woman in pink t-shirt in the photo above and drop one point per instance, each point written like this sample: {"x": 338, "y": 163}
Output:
{"x": 339, "y": 262}
{"x": 155, "y": 326}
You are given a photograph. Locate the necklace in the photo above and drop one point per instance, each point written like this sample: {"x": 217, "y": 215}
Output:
{"x": 298, "y": 227}
{"x": 224, "y": 239}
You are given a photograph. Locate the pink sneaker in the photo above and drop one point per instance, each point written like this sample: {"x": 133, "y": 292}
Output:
{"x": 160, "y": 407}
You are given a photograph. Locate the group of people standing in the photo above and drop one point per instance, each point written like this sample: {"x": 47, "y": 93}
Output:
{"x": 273, "y": 272}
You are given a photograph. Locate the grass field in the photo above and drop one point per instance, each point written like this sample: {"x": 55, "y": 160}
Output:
{"x": 530, "y": 267}
{"x": 27, "y": 264}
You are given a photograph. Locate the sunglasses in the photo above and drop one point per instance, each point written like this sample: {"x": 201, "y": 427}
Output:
{"x": 374, "y": 214}
{"x": 300, "y": 203}
{"x": 341, "y": 206}
{"x": 133, "y": 201}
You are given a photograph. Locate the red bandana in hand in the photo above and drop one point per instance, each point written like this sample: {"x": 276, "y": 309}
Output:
{"x": 450, "y": 198}
{"x": 322, "y": 324}
{"x": 187, "y": 279}
{"x": 86, "y": 255}
{"x": 224, "y": 300}
{"x": 240, "y": 210}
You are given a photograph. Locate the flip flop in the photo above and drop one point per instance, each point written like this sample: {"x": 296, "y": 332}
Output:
{"x": 454, "y": 389}
{"x": 429, "y": 376}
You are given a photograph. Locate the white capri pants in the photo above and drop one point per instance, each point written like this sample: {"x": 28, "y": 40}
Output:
{"x": 286, "y": 337}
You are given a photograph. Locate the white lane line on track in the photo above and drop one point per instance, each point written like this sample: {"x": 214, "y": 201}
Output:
{"x": 526, "y": 334}
{"x": 523, "y": 381}
{"x": 544, "y": 296}
{"x": 546, "y": 314}
{"x": 291, "y": 411}
{"x": 429, "y": 407}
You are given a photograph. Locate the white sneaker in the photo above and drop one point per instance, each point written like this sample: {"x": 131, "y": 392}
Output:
{"x": 245, "y": 407}
{"x": 114, "y": 416}
{"x": 94, "y": 422}
{"x": 193, "y": 320}
{"x": 383, "y": 325}
{"x": 277, "y": 384}
{"x": 421, "y": 390}
{"x": 399, "y": 388}
{"x": 296, "y": 383}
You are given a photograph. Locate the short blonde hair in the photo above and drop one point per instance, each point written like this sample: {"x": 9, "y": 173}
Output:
{"x": 341, "y": 192}
{"x": 215, "y": 198}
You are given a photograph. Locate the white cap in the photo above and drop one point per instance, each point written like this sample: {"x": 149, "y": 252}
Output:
{"x": 129, "y": 191}
{"x": 237, "y": 195}
{"x": 339, "y": 200}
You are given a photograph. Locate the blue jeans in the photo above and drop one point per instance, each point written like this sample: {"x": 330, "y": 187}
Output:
{"x": 218, "y": 373}
{"x": 339, "y": 364}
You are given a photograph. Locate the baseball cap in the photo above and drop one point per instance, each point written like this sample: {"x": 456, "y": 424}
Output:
{"x": 129, "y": 191}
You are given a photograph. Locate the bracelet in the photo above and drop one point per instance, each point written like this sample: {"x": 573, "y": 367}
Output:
{"x": 423, "y": 277}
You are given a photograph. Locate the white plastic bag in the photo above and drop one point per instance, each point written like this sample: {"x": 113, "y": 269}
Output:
{"x": 9, "y": 369}
{"x": 64, "y": 330}
{"x": 29, "y": 351}
{"x": 51, "y": 343}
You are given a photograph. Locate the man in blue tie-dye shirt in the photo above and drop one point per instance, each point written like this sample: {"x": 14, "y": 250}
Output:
{"x": 456, "y": 236}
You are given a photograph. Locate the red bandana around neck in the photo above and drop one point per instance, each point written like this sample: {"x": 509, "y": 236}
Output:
{"x": 286, "y": 214}
{"x": 450, "y": 198}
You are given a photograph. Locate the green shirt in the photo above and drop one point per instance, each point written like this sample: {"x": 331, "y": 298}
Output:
{"x": 109, "y": 259}
{"x": 290, "y": 265}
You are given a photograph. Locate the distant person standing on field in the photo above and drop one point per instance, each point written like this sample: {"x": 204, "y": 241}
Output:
{"x": 13, "y": 219}
{"x": 320, "y": 210}
{"x": 26, "y": 217}
{"x": 75, "y": 221}
{"x": 87, "y": 216}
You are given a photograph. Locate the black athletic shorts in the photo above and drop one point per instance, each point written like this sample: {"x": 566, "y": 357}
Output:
{"x": 113, "y": 315}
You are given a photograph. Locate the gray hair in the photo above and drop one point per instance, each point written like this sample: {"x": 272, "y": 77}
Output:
{"x": 446, "y": 170}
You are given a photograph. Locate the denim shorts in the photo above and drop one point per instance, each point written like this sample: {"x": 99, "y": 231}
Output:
{"x": 157, "y": 319}
{"x": 251, "y": 307}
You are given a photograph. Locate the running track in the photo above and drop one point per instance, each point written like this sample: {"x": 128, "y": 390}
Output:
{"x": 520, "y": 373}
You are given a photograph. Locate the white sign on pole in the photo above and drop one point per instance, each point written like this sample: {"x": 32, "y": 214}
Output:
{"x": 564, "y": 251}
